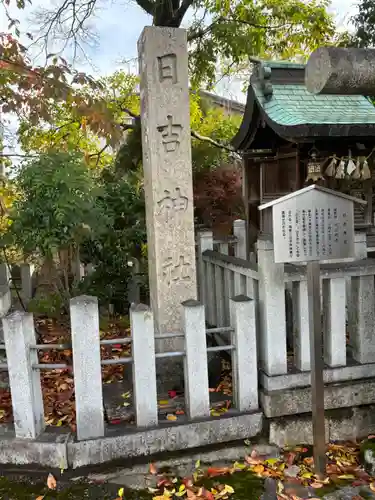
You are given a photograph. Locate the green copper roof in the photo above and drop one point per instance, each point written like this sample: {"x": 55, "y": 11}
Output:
{"x": 283, "y": 65}
{"x": 293, "y": 105}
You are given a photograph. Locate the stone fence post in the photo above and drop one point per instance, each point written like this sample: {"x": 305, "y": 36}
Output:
{"x": 239, "y": 231}
{"x": 360, "y": 245}
{"x": 196, "y": 368}
{"x": 245, "y": 362}
{"x": 5, "y": 300}
{"x": 84, "y": 317}
{"x": 272, "y": 310}
{"x": 27, "y": 272}
{"x": 144, "y": 369}
{"x": 361, "y": 319}
{"x": 4, "y": 274}
{"x": 134, "y": 289}
{"x": 360, "y": 252}
{"x": 27, "y": 400}
{"x": 205, "y": 283}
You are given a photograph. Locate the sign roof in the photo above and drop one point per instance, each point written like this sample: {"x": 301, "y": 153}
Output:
{"x": 336, "y": 194}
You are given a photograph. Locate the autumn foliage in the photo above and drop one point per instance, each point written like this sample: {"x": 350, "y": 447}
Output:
{"x": 218, "y": 197}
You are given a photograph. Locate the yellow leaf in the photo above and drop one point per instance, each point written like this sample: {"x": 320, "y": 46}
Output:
{"x": 347, "y": 476}
{"x": 126, "y": 404}
{"x": 120, "y": 492}
{"x": 323, "y": 481}
{"x": 160, "y": 497}
{"x": 51, "y": 482}
{"x": 181, "y": 492}
{"x": 271, "y": 461}
{"x": 164, "y": 402}
{"x": 171, "y": 417}
{"x": 239, "y": 466}
{"x": 40, "y": 498}
{"x": 280, "y": 487}
{"x": 258, "y": 469}
{"x": 215, "y": 414}
{"x": 307, "y": 475}
{"x": 229, "y": 489}
{"x": 197, "y": 464}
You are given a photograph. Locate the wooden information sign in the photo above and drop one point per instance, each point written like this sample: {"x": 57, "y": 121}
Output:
{"x": 311, "y": 225}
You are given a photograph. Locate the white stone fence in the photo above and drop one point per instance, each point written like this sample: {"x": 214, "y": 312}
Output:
{"x": 26, "y": 283}
{"x": 24, "y": 367}
{"x": 348, "y": 311}
{"x": 221, "y": 275}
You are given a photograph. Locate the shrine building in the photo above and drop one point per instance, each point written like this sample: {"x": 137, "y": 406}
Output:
{"x": 290, "y": 138}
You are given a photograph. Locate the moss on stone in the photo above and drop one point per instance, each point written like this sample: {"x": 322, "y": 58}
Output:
{"x": 24, "y": 490}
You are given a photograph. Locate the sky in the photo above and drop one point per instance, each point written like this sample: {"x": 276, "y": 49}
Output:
{"x": 119, "y": 24}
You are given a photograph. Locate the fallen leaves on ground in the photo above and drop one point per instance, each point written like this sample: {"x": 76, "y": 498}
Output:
{"x": 293, "y": 470}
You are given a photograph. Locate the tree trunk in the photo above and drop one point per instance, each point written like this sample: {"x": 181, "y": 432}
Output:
{"x": 335, "y": 70}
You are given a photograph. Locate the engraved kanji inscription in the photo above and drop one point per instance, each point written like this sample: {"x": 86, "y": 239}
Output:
{"x": 167, "y": 66}
{"x": 170, "y": 135}
{"x": 176, "y": 269}
{"x": 169, "y": 206}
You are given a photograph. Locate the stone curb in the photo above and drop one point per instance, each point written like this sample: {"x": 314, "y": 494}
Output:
{"x": 57, "y": 449}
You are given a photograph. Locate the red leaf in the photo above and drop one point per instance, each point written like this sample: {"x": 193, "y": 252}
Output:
{"x": 217, "y": 471}
{"x": 153, "y": 469}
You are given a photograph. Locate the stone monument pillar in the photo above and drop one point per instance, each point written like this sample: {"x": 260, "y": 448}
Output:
{"x": 165, "y": 118}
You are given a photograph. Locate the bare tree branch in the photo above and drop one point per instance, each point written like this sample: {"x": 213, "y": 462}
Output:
{"x": 67, "y": 24}
{"x": 130, "y": 113}
{"x": 99, "y": 154}
{"x": 213, "y": 142}
{"x": 180, "y": 14}
{"x": 147, "y": 5}
{"x": 10, "y": 155}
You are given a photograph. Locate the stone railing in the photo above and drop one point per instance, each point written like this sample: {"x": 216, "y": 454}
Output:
{"x": 221, "y": 275}
{"x": 281, "y": 304}
{"x": 151, "y": 432}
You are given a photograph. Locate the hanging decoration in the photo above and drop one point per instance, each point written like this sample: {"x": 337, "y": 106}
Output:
{"x": 357, "y": 172}
{"x": 314, "y": 170}
{"x": 355, "y": 168}
{"x": 366, "y": 173}
{"x": 340, "y": 172}
{"x": 331, "y": 169}
{"x": 350, "y": 167}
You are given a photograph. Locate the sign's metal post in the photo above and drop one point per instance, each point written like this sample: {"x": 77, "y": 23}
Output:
{"x": 317, "y": 366}
{"x": 309, "y": 226}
